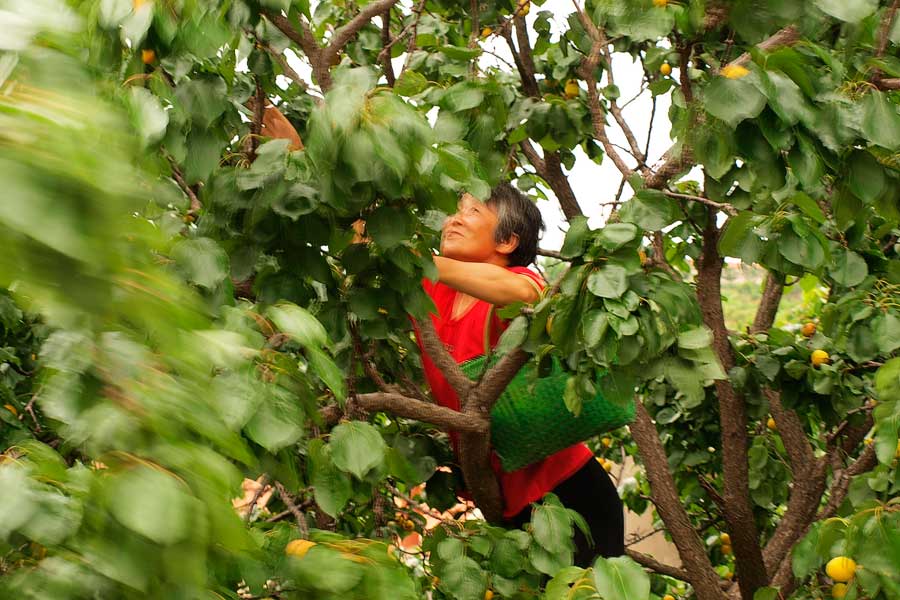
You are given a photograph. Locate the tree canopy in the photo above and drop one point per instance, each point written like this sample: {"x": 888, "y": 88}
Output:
{"x": 183, "y": 306}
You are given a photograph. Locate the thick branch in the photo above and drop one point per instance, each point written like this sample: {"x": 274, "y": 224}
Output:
{"x": 436, "y": 350}
{"x": 884, "y": 30}
{"x": 304, "y": 38}
{"x": 697, "y": 568}
{"x": 783, "y": 37}
{"x": 841, "y": 483}
{"x": 494, "y": 382}
{"x": 645, "y": 560}
{"x": 385, "y": 55}
{"x": 733, "y": 420}
{"x": 410, "y": 408}
{"x": 344, "y": 34}
{"x": 768, "y": 304}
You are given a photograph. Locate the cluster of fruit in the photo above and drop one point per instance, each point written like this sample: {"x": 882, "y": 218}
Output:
{"x": 841, "y": 569}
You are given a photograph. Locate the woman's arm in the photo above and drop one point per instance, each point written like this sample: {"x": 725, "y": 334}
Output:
{"x": 486, "y": 281}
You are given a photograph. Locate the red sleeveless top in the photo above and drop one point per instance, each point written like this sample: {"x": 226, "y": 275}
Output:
{"x": 464, "y": 338}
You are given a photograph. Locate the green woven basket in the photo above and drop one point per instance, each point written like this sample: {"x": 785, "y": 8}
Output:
{"x": 531, "y": 422}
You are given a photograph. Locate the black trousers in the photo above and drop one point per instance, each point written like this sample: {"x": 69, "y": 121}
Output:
{"x": 591, "y": 493}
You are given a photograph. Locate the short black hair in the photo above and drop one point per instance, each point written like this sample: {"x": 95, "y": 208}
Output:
{"x": 516, "y": 215}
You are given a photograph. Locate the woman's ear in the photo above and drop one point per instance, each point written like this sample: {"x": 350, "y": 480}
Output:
{"x": 509, "y": 246}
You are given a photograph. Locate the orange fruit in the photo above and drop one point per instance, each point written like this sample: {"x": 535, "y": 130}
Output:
{"x": 148, "y": 56}
{"x": 734, "y": 71}
{"x": 665, "y": 69}
{"x": 298, "y": 548}
{"x": 725, "y": 539}
{"x": 841, "y": 568}
{"x": 571, "y": 89}
{"x": 660, "y": 3}
{"x": 771, "y": 424}
{"x": 808, "y": 330}
{"x": 819, "y": 357}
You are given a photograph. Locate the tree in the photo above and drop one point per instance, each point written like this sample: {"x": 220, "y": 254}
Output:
{"x": 186, "y": 307}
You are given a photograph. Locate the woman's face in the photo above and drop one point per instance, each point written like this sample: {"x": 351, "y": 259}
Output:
{"x": 468, "y": 234}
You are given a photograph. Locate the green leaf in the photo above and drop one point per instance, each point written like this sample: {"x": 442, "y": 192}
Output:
{"x": 733, "y": 100}
{"x": 410, "y": 83}
{"x": 151, "y": 503}
{"x": 576, "y": 236}
{"x": 610, "y": 281}
{"x": 203, "y": 261}
{"x": 150, "y": 118}
{"x": 389, "y": 226}
{"x": 615, "y": 235}
{"x": 551, "y": 527}
{"x": 694, "y": 339}
{"x": 867, "y": 178}
{"x": 357, "y": 447}
{"x": 809, "y": 207}
{"x": 332, "y": 487}
{"x": 620, "y": 578}
{"x": 887, "y": 335}
{"x": 298, "y": 323}
{"x": 650, "y": 210}
{"x": 463, "y": 579}
{"x": 848, "y": 268}
{"x": 880, "y": 121}
{"x": 278, "y": 423}
{"x": 514, "y": 335}
{"x": 852, "y": 11}
{"x": 327, "y": 371}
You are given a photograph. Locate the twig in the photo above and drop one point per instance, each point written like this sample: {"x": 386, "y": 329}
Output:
{"x": 726, "y": 208}
{"x": 179, "y": 179}
{"x": 299, "y": 516}
{"x": 411, "y": 45}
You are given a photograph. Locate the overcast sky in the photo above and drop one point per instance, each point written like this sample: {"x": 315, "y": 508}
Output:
{"x": 592, "y": 184}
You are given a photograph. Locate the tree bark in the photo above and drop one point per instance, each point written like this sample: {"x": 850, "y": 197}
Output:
{"x": 751, "y": 570}
{"x": 697, "y": 567}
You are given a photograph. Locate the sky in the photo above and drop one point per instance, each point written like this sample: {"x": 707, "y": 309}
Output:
{"x": 594, "y": 185}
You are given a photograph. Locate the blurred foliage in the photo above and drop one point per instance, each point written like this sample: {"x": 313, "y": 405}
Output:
{"x": 181, "y": 297}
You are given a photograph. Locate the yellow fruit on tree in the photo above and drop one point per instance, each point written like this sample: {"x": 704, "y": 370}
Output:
{"x": 607, "y": 466}
{"x": 571, "y": 89}
{"x": 734, "y": 71}
{"x": 523, "y": 7}
{"x": 298, "y": 548}
{"x": 488, "y": 594}
{"x": 771, "y": 424}
{"x": 725, "y": 538}
{"x": 148, "y": 55}
{"x": 819, "y": 357}
{"x": 808, "y": 330}
{"x": 668, "y": 597}
{"x": 665, "y": 69}
{"x": 839, "y": 590}
{"x": 841, "y": 568}
{"x": 660, "y": 3}
{"x": 607, "y": 442}
{"x": 726, "y": 548}
{"x": 486, "y": 32}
